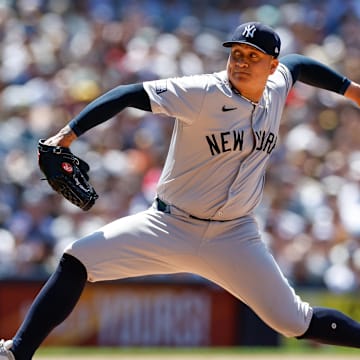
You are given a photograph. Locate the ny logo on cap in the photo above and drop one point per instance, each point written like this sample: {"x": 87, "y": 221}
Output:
{"x": 249, "y": 31}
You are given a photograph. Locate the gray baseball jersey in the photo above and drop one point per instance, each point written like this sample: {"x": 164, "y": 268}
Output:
{"x": 214, "y": 170}
{"x": 217, "y": 158}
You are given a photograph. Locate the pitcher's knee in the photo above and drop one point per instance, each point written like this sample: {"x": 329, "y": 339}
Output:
{"x": 292, "y": 329}
{"x": 294, "y": 326}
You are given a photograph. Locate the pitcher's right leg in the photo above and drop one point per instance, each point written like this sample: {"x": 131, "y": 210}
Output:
{"x": 52, "y": 305}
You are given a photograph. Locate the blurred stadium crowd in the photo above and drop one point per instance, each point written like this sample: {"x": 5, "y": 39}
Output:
{"x": 56, "y": 56}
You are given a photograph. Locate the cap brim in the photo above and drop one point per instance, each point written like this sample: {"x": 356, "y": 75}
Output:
{"x": 231, "y": 43}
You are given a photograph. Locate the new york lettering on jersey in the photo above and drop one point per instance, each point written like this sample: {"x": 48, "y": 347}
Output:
{"x": 234, "y": 140}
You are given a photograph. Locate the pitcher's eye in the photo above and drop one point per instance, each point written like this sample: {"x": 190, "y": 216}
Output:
{"x": 236, "y": 55}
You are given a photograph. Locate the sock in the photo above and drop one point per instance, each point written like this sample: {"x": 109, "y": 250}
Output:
{"x": 53, "y": 304}
{"x": 332, "y": 327}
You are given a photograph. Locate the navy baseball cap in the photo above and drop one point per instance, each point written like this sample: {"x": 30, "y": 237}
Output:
{"x": 256, "y": 34}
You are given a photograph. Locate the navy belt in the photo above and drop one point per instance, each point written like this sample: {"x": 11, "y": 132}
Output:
{"x": 166, "y": 208}
{"x": 161, "y": 206}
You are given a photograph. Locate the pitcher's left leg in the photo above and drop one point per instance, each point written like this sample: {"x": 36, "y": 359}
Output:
{"x": 332, "y": 327}
{"x": 243, "y": 265}
{"x": 236, "y": 259}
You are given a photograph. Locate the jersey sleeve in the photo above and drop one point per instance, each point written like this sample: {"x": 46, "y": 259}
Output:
{"x": 314, "y": 73}
{"x": 181, "y": 97}
{"x": 281, "y": 80}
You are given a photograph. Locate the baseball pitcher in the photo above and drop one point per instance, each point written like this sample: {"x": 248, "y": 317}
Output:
{"x": 202, "y": 219}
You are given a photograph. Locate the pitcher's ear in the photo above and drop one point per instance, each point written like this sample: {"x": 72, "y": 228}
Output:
{"x": 274, "y": 65}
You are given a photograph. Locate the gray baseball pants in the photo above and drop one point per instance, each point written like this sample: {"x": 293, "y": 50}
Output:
{"x": 229, "y": 253}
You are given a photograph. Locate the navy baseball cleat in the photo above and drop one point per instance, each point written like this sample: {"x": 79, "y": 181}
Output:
{"x": 5, "y": 353}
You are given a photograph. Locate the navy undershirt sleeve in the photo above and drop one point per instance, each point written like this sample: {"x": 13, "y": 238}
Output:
{"x": 314, "y": 73}
{"x": 108, "y": 105}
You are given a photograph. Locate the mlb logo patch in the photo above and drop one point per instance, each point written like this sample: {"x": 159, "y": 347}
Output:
{"x": 160, "y": 86}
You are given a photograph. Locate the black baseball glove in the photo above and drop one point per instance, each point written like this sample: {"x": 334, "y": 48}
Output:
{"x": 67, "y": 174}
